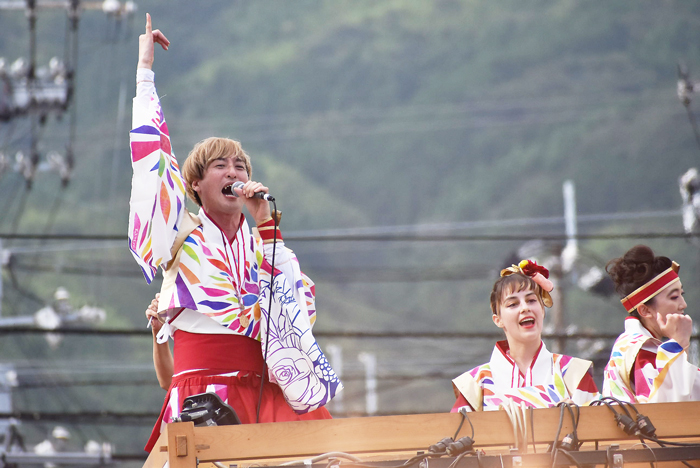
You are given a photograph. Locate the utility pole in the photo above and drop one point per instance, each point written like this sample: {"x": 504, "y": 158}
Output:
{"x": 52, "y": 317}
{"x": 369, "y": 360}
{"x": 26, "y": 90}
{"x": 564, "y": 262}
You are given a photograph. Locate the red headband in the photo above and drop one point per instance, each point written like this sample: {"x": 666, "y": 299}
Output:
{"x": 651, "y": 288}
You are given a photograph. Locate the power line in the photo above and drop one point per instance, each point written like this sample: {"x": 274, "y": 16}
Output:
{"x": 419, "y": 231}
{"x": 90, "y": 417}
{"x": 472, "y": 113}
{"x": 391, "y": 237}
{"x": 423, "y": 335}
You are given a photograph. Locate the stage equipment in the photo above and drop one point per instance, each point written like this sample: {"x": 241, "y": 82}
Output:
{"x": 393, "y": 441}
{"x": 207, "y": 409}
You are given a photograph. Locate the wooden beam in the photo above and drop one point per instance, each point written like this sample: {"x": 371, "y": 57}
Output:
{"x": 417, "y": 432}
{"x": 181, "y": 445}
{"x": 159, "y": 454}
{"x": 400, "y": 434}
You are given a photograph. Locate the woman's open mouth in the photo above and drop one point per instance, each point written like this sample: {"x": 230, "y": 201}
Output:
{"x": 527, "y": 323}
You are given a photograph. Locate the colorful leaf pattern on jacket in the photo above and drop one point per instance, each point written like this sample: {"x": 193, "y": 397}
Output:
{"x": 542, "y": 386}
{"x": 226, "y": 281}
{"x": 660, "y": 371}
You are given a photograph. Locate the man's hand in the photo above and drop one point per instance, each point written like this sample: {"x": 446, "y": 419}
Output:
{"x": 147, "y": 43}
{"x": 678, "y": 327}
{"x": 259, "y": 209}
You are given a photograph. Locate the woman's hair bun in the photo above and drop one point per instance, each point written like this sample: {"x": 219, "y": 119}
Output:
{"x": 635, "y": 268}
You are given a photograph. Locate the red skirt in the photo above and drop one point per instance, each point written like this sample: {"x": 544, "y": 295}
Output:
{"x": 225, "y": 354}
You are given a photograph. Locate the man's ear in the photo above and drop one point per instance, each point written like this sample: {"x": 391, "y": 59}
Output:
{"x": 195, "y": 185}
{"x": 497, "y": 320}
{"x": 644, "y": 310}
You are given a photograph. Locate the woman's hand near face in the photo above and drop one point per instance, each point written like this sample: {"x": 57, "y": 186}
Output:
{"x": 152, "y": 316}
{"x": 678, "y": 327}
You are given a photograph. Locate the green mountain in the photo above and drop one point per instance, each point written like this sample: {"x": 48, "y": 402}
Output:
{"x": 362, "y": 114}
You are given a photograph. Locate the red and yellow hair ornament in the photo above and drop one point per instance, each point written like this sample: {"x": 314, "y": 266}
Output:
{"x": 539, "y": 275}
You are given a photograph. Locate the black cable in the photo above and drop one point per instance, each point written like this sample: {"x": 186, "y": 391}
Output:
{"x": 621, "y": 404}
{"x": 554, "y": 447}
{"x": 269, "y": 305}
{"x": 465, "y": 415}
{"x": 603, "y": 400}
{"x": 565, "y": 406}
{"x": 556, "y": 437}
{"x": 417, "y": 458}
{"x": 632, "y": 429}
{"x": 459, "y": 457}
{"x": 663, "y": 445}
{"x": 569, "y": 456}
{"x": 574, "y": 422}
{"x": 644, "y": 444}
{"x": 409, "y": 462}
{"x": 459, "y": 428}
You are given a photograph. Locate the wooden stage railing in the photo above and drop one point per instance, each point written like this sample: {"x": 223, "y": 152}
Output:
{"x": 391, "y": 437}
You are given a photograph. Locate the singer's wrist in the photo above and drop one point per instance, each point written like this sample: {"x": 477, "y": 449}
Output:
{"x": 268, "y": 231}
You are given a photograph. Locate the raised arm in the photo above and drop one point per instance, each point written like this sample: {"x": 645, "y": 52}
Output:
{"x": 147, "y": 42}
{"x": 157, "y": 190}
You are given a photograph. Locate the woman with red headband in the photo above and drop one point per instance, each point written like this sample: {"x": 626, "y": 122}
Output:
{"x": 643, "y": 368}
{"x": 521, "y": 370}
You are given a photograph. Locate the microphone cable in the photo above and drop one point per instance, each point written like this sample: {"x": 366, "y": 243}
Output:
{"x": 269, "y": 306}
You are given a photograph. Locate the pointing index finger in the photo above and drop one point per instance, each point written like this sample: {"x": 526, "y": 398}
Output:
{"x": 149, "y": 28}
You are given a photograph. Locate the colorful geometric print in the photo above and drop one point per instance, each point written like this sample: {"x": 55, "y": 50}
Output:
{"x": 226, "y": 281}
{"x": 158, "y": 193}
{"x": 613, "y": 384}
{"x": 535, "y": 396}
{"x": 661, "y": 371}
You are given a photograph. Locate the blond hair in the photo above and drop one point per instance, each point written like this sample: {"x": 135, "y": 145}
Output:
{"x": 203, "y": 154}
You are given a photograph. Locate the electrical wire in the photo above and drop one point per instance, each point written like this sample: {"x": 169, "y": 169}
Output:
{"x": 641, "y": 436}
{"x": 25, "y": 293}
{"x": 619, "y": 402}
{"x": 421, "y": 335}
{"x": 395, "y": 238}
{"x": 564, "y": 406}
{"x": 465, "y": 415}
{"x": 569, "y": 456}
{"x": 459, "y": 457}
{"x": 275, "y": 218}
{"x": 323, "y": 456}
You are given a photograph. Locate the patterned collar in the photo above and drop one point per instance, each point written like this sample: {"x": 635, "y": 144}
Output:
{"x": 633, "y": 326}
{"x": 507, "y": 374}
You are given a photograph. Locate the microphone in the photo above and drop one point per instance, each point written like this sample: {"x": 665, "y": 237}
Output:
{"x": 261, "y": 195}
